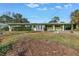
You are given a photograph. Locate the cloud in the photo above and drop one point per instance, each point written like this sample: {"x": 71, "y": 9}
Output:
{"x": 42, "y": 9}
{"x": 32, "y": 5}
{"x": 58, "y": 7}
{"x": 67, "y": 5}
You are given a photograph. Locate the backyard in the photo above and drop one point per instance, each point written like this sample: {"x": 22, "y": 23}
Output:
{"x": 39, "y": 43}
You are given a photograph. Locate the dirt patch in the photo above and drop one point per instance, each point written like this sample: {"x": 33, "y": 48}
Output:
{"x": 29, "y": 47}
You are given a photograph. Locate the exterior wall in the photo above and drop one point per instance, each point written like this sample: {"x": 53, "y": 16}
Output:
{"x": 55, "y": 28}
{"x": 50, "y": 29}
{"x": 27, "y": 25}
{"x": 41, "y": 27}
{"x": 38, "y": 27}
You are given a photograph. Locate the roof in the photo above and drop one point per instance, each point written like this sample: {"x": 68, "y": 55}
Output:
{"x": 35, "y": 23}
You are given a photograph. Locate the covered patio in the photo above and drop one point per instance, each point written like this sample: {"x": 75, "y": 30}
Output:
{"x": 42, "y": 26}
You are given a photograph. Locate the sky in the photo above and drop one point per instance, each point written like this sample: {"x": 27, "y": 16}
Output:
{"x": 40, "y": 12}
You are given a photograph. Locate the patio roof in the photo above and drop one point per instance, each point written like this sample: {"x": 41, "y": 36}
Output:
{"x": 36, "y": 23}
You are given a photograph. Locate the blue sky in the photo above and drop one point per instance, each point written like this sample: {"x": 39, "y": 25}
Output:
{"x": 42, "y": 12}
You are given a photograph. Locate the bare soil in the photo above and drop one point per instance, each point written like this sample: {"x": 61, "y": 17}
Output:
{"x": 30, "y": 47}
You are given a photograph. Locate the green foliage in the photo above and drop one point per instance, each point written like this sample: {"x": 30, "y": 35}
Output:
{"x": 5, "y": 29}
{"x": 22, "y": 29}
{"x": 13, "y": 18}
{"x": 75, "y": 17}
{"x": 5, "y": 19}
{"x": 49, "y": 25}
{"x": 67, "y": 27}
{"x": 4, "y": 49}
{"x": 77, "y": 29}
{"x": 55, "y": 19}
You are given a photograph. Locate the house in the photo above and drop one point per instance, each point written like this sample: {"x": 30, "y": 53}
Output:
{"x": 42, "y": 26}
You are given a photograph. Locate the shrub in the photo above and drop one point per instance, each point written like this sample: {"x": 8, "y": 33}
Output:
{"x": 77, "y": 29}
{"x": 5, "y": 29}
{"x": 21, "y": 29}
{"x": 4, "y": 49}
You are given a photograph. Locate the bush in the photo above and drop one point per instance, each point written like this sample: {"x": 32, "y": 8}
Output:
{"x": 77, "y": 29}
{"x": 4, "y": 49}
{"x": 5, "y": 29}
{"x": 21, "y": 29}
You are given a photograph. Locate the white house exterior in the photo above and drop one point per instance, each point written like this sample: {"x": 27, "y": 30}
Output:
{"x": 40, "y": 26}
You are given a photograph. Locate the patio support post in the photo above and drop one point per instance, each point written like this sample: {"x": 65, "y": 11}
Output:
{"x": 10, "y": 28}
{"x": 76, "y": 26}
{"x": 53, "y": 27}
{"x": 72, "y": 27}
{"x": 43, "y": 26}
{"x": 32, "y": 27}
{"x": 63, "y": 27}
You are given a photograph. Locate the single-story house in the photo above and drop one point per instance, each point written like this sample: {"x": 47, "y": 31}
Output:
{"x": 42, "y": 26}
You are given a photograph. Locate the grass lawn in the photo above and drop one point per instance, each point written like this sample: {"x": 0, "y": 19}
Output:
{"x": 65, "y": 38}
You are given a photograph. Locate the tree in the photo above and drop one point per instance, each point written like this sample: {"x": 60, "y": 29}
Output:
{"x": 75, "y": 17}
{"x": 55, "y": 19}
{"x": 5, "y": 19}
{"x": 13, "y": 18}
{"x": 24, "y": 20}
{"x": 18, "y": 18}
